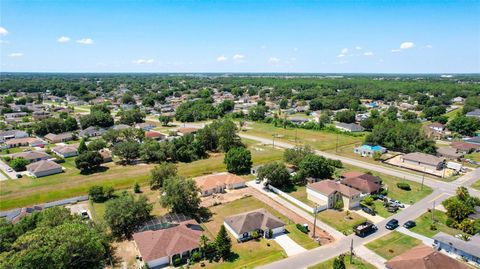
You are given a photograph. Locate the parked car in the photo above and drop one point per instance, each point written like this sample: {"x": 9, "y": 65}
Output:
{"x": 365, "y": 229}
{"x": 380, "y": 197}
{"x": 368, "y": 210}
{"x": 392, "y": 224}
{"x": 392, "y": 209}
{"x": 257, "y": 180}
{"x": 409, "y": 224}
{"x": 9, "y": 170}
{"x": 84, "y": 214}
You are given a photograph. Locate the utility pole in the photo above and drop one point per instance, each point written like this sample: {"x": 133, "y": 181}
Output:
{"x": 315, "y": 221}
{"x": 351, "y": 251}
{"x": 433, "y": 213}
{"x": 423, "y": 178}
{"x": 336, "y": 144}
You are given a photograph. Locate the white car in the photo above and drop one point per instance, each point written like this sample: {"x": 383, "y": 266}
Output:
{"x": 9, "y": 170}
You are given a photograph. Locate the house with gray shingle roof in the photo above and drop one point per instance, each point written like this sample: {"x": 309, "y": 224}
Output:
{"x": 44, "y": 168}
{"x": 242, "y": 226}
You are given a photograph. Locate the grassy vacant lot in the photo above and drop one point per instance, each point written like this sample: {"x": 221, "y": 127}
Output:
{"x": 252, "y": 253}
{"x": 321, "y": 140}
{"x": 357, "y": 263}
{"x": 340, "y": 220}
{"x": 30, "y": 191}
{"x": 425, "y": 220}
{"x": 408, "y": 197}
{"x": 393, "y": 244}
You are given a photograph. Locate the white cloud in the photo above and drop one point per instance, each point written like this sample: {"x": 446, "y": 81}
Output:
{"x": 64, "y": 39}
{"x": 144, "y": 61}
{"x": 344, "y": 51}
{"x": 368, "y": 53}
{"x": 221, "y": 58}
{"x": 358, "y": 48}
{"x": 396, "y": 50}
{"x": 341, "y": 55}
{"x": 273, "y": 60}
{"x": 407, "y": 45}
{"x": 428, "y": 46}
{"x": 238, "y": 57}
{"x": 3, "y": 31}
{"x": 15, "y": 54}
{"x": 85, "y": 41}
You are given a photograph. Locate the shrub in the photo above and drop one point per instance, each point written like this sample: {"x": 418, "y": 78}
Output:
{"x": 196, "y": 256}
{"x": 368, "y": 200}
{"x": 450, "y": 222}
{"x": 177, "y": 261}
{"x": 302, "y": 228}
{"x": 403, "y": 186}
{"x": 136, "y": 188}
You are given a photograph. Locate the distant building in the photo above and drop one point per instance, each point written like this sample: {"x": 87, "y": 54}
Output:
{"x": 368, "y": 151}
{"x": 466, "y": 250}
{"x": 92, "y": 131}
{"x": 242, "y": 226}
{"x": 186, "y": 130}
{"x": 298, "y": 120}
{"x": 449, "y": 153}
{"x": 7, "y": 135}
{"x": 145, "y": 126}
{"x": 218, "y": 183}
{"x": 349, "y": 127}
{"x": 475, "y": 113}
{"x": 31, "y": 156}
{"x": 458, "y": 100}
{"x": 106, "y": 155}
{"x": 44, "y": 168}
{"x": 154, "y": 135}
{"x": 424, "y": 257}
{"x": 26, "y": 141}
{"x": 464, "y": 147}
{"x": 424, "y": 160}
{"x": 65, "y": 151}
{"x": 58, "y": 138}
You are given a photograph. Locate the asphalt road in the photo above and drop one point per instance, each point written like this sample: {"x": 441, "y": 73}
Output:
{"x": 3, "y": 167}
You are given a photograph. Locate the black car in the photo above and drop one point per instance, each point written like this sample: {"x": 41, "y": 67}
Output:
{"x": 409, "y": 224}
{"x": 392, "y": 224}
{"x": 368, "y": 210}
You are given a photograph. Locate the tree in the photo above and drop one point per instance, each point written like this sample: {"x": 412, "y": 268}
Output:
{"x": 160, "y": 173}
{"x": 100, "y": 194}
{"x": 181, "y": 195}
{"x": 257, "y": 113}
{"x": 316, "y": 104}
{"x": 125, "y": 213}
{"x": 151, "y": 151}
{"x": 295, "y": 155}
{"x": 227, "y": 135}
{"x": 464, "y": 125}
{"x": 96, "y": 118}
{"x": 136, "y": 188}
{"x": 276, "y": 174}
{"x": 88, "y": 161}
{"x": 238, "y": 160}
{"x": 223, "y": 243}
{"x": 128, "y": 151}
{"x": 339, "y": 262}
{"x": 225, "y": 106}
{"x": 315, "y": 166}
{"x": 19, "y": 164}
{"x": 131, "y": 117}
{"x": 165, "y": 120}
{"x": 82, "y": 147}
{"x": 347, "y": 116}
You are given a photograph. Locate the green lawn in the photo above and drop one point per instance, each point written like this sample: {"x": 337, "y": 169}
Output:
{"x": 393, "y": 244}
{"x": 381, "y": 210}
{"x": 425, "y": 220}
{"x": 476, "y": 185}
{"x": 14, "y": 150}
{"x": 300, "y": 193}
{"x": 321, "y": 140}
{"x": 30, "y": 191}
{"x": 340, "y": 221}
{"x": 473, "y": 156}
{"x": 357, "y": 263}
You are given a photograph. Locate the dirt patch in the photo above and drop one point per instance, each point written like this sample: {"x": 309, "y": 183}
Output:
{"x": 125, "y": 254}
{"x": 222, "y": 198}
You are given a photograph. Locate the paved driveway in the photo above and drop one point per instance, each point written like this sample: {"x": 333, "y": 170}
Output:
{"x": 290, "y": 246}
{"x": 4, "y": 167}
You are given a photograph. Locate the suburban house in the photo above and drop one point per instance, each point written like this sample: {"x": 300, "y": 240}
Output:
{"x": 218, "y": 183}
{"x": 31, "y": 156}
{"x": 242, "y": 226}
{"x": 106, "y": 155}
{"x": 368, "y": 151}
{"x": 26, "y": 141}
{"x": 92, "y": 132}
{"x": 7, "y": 135}
{"x": 449, "y": 153}
{"x": 474, "y": 140}
{"x": 145, "y": 126}
{"x": 326, "y": 193}
{"x": 119, "y": 127}
{"x": 159, "y": 248}
{"x": 437, "y": 127}
{"x": 298, "y": 120}
{"x": 424, "y": 160}
{"x": 349, "y": 127}
{"x": 186, "y": 130}
{"x": 44, "y": 168}
{"x": 475, "y": 113}
{"x": 464, "y": 147}
{"x": 65, "y": 151}
{"x": 362, "y": 182}
{"x": 58, "y": 138}
{"x": 424, "y": 257}
{"x": 466, "y": 250}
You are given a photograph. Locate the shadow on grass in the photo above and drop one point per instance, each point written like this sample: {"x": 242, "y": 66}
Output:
{"x": 100, "y": 169}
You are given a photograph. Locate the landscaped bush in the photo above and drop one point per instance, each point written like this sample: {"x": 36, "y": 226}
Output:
{"x": 302, "y": 228}
{"x": 403, "y": 186}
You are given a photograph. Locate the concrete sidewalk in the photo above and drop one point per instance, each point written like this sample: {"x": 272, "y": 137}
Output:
{"x": 290, "y": 246}
{"x": 336, "y": 234}
{"x": 427, "y": 241}
{"x": 370, "y": 256}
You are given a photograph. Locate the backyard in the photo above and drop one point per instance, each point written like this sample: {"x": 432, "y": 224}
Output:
{"x": 29, "y": 191}
{"x": 393, "y": 244}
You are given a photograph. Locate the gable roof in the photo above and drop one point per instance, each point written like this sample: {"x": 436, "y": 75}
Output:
{"x": 211, "y": 181}
{"x": 66, "y": 135}
{"x": 327, "y": 187}
{"x": 253, "y": 220}
{"x": 350, "y": 126}
{"x": 65, "y": 149}
{"x": 424, "y": 257}
{"x": 464, "y": 145}
{"x": 167, "y": 242}
{"x": 361, "y": 181}
{"x": 472, "y": 247}
{"x": 30, "y": 155}
{"x": 41, "y": 166}
{"x": 423, "y": 158}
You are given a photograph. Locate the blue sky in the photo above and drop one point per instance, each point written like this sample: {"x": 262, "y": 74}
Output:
{"x": 240, "y": 36}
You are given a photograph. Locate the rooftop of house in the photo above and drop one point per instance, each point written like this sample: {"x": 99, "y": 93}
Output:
{"x": 209, "y": 182}
{"x": 423, "y": 158}
{"x": 43, "y": 165}
{"x": 472, "y": 246}
{"x": 327, "y": 187}
{"x": 253, "y": 220}
{"x": 30, "y": 155}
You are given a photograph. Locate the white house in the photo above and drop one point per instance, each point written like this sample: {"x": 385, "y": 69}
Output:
{"x": 326, "y": 193}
